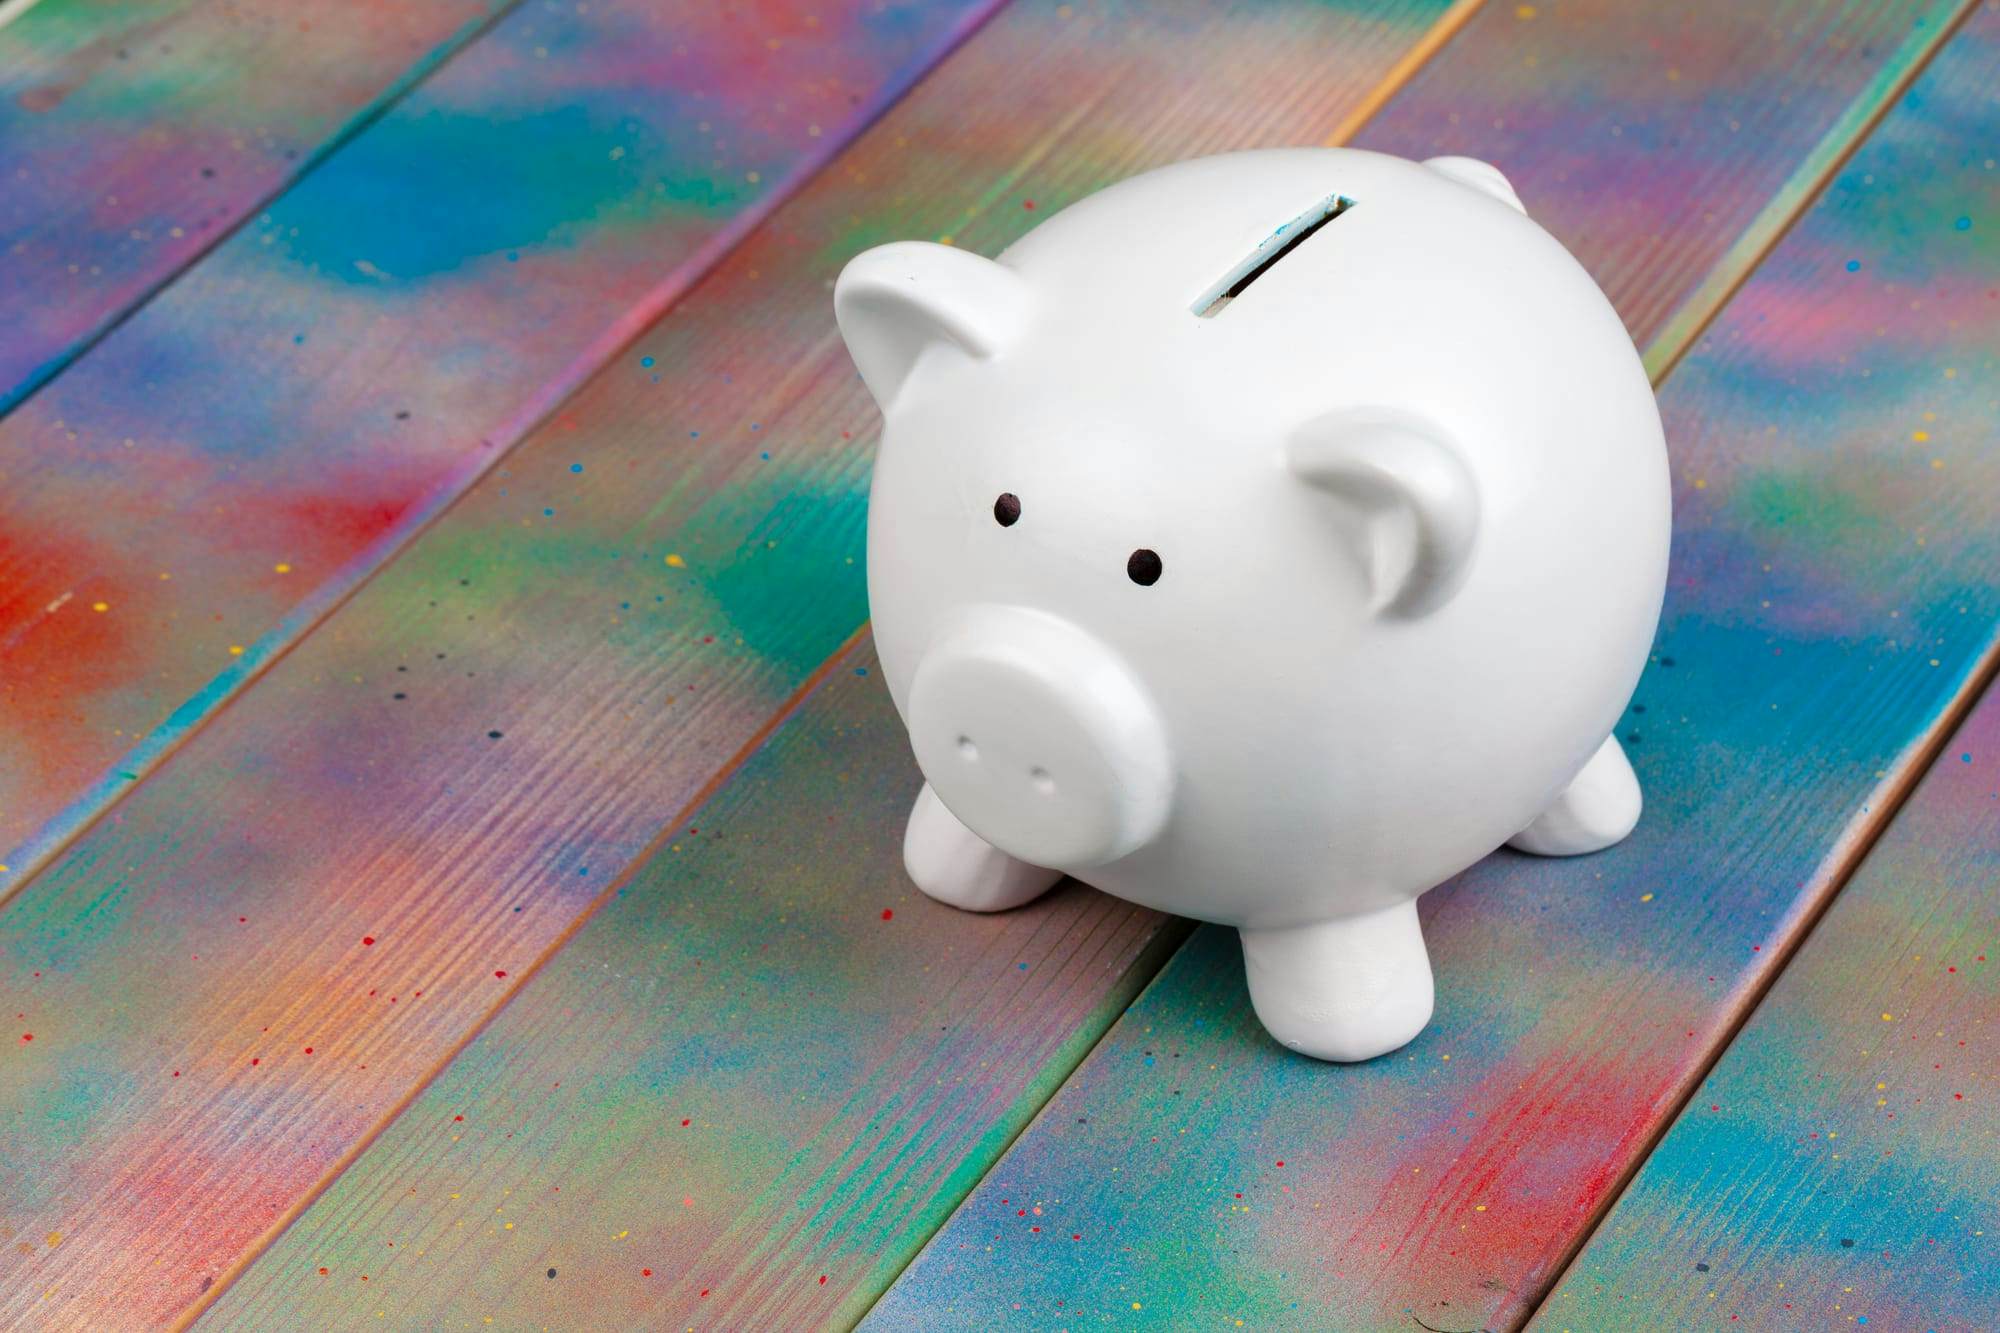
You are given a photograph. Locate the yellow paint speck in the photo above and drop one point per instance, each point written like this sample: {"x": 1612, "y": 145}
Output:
{"x": 1701, "y": 483}
{"x": 236, "y": 650}
{"x": 676, "y": 562}
{"x": 509, "y": 1226}
{"x": 100, "y": 606}
{"x": 282, "y": 569}
{"x": 1525, "y": 12}
{"x": 1645, "y": 897}
{"x": 1137, "y": 1306}
{"x": 1920, "y": 435}
{"x": 1880, "y": 1086}
{"x": 1937, "y": 464}
{"x": 55, "y": 1239}
{"x": 1478, "y": 1207}
{"x": 1888, "y": 1018}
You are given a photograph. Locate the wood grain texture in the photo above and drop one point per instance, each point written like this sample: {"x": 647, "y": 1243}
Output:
{"x": 743, "y": 1095}
{"x": 134, "y": 136}
{"x": 757, "y": 1232}
{"x": 194, "y": 494}
{"x": 1835, "y": 588}
{"x": 1841, "y": 1162}
{"x": 366, "y": 853}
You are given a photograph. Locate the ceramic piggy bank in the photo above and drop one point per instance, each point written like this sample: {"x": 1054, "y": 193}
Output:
{"x": 1263, "y": 539}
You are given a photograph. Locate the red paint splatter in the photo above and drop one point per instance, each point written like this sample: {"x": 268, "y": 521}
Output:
{"x": 309, "y": 1050}
{"x": 27, "y": 1036}
{"x": 367, "y": 939}
{"x": 684, "y": 1124}
{"x": 704, "y": 1291}
{"x": 501, "y": 972}
{"x": 255, "y": 1060}
{"x": 458, "y": 1117}
{"x": 1281, "y": 1161}
{"x": 1028, "y": 204}
{"x": 645, "y": 1272}
{"x": 822, "y": 1279}
{"x": 322, "y": 1272}
{"x": 888, "y": 913}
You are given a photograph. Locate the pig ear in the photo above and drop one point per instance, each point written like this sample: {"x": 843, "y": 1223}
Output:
{"x": 1481, "y": 176}
{"x": 895, "y": 301}
{"x": 1418, "y": 506}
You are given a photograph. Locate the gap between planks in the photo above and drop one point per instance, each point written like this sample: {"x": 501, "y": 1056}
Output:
{"x": 391, "y": 95}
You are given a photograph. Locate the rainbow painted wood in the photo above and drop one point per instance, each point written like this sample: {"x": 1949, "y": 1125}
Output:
{"x": 454, "y": 815}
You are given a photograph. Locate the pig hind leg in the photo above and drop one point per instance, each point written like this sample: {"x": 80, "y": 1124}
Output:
{"x": 1598, "y": 808}
{"x": 1344, "y": 990}
{"x": 954, "y": 865}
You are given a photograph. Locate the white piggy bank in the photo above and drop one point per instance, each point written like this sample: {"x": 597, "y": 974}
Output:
{"x": 1263, "y": 539}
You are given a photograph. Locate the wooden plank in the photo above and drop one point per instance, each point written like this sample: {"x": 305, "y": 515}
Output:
{"x": 137, "y": 135}
{"x": 1834, "y": 593}
{"x": 1842, "y": 1162}
{"x": 366, "y": 853}
{"x": 834, "y": 1163}
{"x": 286, "y": 416}
{"x": 703, "y": 1112}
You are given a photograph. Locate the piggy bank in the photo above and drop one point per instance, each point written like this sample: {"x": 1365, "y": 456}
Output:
{"x": 1263, "y": 539}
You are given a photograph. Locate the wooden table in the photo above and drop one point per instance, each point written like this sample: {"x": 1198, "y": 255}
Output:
{"x": 449, "y": 814}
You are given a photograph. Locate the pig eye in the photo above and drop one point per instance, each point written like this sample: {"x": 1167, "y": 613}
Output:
{"x": 1007, "y": 509}
{"x": 1143, "y": 568}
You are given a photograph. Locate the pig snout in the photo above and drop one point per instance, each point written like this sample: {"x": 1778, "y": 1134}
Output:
{"x": 1039, "y": 739}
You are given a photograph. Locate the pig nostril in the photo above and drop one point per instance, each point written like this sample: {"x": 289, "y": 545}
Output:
{"x": 1045, "y": 784}
{"x": 967, "y": 750}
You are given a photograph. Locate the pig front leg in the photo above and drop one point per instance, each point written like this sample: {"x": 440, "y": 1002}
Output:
{"x": 1343, "y": 990}
{"x": 954, "y": 865}
{"x": 1598, "y": 808}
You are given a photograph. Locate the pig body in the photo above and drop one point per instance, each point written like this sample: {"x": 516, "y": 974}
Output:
{"x": 1264, "y": 580}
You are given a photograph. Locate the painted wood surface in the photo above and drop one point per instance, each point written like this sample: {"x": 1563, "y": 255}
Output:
{"x": 1834, "y": 592}
{"x": 135, "y": 136}
{"x": 883, "y": 1133}
{"x": 265, "y": 950}
{"x": 1842, "y": 1162}
{"x": 194, "y": 494}
{"x": 743, "y": 1095}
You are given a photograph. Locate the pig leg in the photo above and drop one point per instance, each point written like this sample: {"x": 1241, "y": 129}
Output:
{"x": 954, "y": 865}
{"x": 1598, "y": 808}
{"x": 1344, "y": 990}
